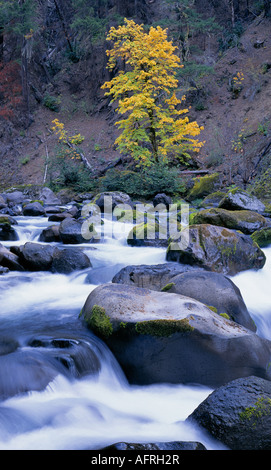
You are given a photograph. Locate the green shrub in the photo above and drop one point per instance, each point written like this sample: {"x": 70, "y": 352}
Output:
{"x": 146, "y": 183}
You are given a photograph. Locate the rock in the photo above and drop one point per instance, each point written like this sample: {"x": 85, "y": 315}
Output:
{"x": 262, "y": 237}
{"x": 162, "y": 198}
{"x": 212, "y": 289}
{"x": 112, "y": 200}
{"x": 33, "y": 209}
{"x": 238, "y": 200}
{"x": 153, "y": 277}
{"x": 2, "y": 203}
{"x": 14, "y": 198}
{"x": 49, "y": 197}
{"x": 216, "y": 249}
{"x": 204, "y": 185}
{"x": 7, "y": 232}
{"x": 50, "y": 234}
{"x": 245, "y": 220}
{"x": 68, "y": 260}
{"x": 238, "y": 414}
{"x": 148, "y": 234}
{"x": 212, "y": 200}
{"x": 59, "y": 216}
{"x": 175, "y": 445}
{"x": 72, "y": 231}
{"x": 9, "y": 260}
{"x": 180, "y": 339}
{"x": 36, "y": 257}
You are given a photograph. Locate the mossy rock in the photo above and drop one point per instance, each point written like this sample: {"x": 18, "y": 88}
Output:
{"x": 245, "y": 220}
{"x": 262, "y": 237}
{"x": 148, "y": 234}
{"x": 203, "y": 186}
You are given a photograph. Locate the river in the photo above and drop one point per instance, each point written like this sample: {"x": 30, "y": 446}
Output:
{"x": 98, "y": 409}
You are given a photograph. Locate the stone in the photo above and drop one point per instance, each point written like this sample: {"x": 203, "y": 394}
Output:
{"x": 162, "y": 198}
{"x": 262, "y": 237}
{"x": 34, "y": 209}
{"x": 36, "y": 257}
{"x": 180, "y": 339}
{"x": 114, "y": 197}
{"x": 50, "y": 234}
{"x": 9, "y": 260}
{"x": 174, "y": 445}
{"x": 217, "y": 249}
{"x": 204, "y": 185}
{"x": 238, "y": 414}
{"x": 210, "y": 288}
{"x": 70, "y": 231}
{"x": 49, "y": 197}
{"x": 245, "y": 220}
{"x": 238, "y": 200}
{"x": 67, "y": 260}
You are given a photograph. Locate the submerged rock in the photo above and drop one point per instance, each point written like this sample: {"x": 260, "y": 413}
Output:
{"x": 180, "y": 340}
{"x": 216, "y": 249}
{"x": 238, "y": 414}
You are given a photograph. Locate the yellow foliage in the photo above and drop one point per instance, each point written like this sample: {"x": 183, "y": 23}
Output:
{"x": 153, "y": 126}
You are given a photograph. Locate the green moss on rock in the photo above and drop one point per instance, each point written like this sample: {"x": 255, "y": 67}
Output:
{"x": 262, "y": 237}
{"x": 203, "y": 186}
{"x": 99, "y": 322}
{"x": 163, "y": 328}
{"x": 167, "y": 287}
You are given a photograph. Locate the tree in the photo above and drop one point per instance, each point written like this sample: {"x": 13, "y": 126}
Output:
{"x": 153, "y": 128}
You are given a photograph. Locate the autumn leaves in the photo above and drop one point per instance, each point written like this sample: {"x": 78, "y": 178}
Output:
{"x": 153, "y": 127}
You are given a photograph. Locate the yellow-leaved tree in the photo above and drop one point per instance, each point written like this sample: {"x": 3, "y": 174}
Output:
{"x": 154, "y": 126}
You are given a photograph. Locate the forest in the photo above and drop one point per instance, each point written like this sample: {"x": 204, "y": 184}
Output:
{"x": 54, "y": 65}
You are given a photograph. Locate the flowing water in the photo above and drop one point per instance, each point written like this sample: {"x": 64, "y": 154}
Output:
{"x": 100, "y": 408}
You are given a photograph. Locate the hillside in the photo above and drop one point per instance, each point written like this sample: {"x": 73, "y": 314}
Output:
{"x": 236, "y": 120}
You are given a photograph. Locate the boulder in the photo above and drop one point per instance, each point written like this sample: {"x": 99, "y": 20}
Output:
{"x": 49, "y": 197}
{"x": 36, "y": 257}
{"x": 238, "y": 414}
{"x": 162, "y": 198}
{"x": 3, "y": 203}
{"x": 237, "y": 200}
{"x": 204, "y": 185}
{"x": 9, "y": 260}
{"x": 153, "y": 277}
{"x": 212, "y": 289}
{"x": 216, "y": 249}
{"x": 113, "y": 198}
{"x": 33, "y": 209}
{"x": 262, "y": 237}
{"x": 7, "y": 232}
{"x": 244, "y": 220}
{"x": 70, "y": 231}
{"x": 148, "y": 234}
{"x": 180, "y": 339}
{"x": 14, "y": 198}
{"x": 50, "y": 234}
{"x": 67, "y": 260}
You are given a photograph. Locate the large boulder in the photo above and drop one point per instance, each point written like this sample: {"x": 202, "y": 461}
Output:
{"x": 153, "y": 277}
{"x": 212, "y": 289}
{"x": 216, "y": 249}
{"x": 162, "y": 337}
{"x": 238, "y": 199}
{"x": 238, "y": 414}
{"x": 204, "y": 185}
{"x": 50, "y": 234}
{"x": 244, "y": 220}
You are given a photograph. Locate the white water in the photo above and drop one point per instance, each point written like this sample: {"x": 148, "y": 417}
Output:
{"x": 99, "y": 410}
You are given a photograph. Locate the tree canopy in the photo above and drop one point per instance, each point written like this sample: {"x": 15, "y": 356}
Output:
{"x": 154, "y": 126}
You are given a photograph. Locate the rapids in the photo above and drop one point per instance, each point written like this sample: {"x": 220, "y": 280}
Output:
{"x": 101, "y": 409}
